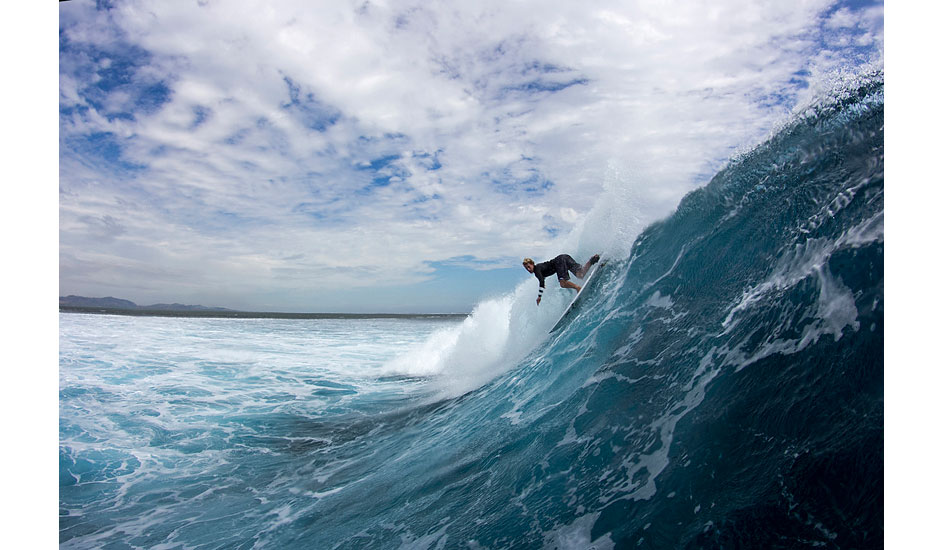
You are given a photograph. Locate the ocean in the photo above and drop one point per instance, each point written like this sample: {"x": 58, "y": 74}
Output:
{"x": 722, "y": 387}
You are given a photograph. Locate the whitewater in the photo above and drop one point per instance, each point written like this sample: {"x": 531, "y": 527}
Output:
{"x": 723, "y": 387}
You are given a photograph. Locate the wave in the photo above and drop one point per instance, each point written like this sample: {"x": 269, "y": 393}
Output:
{"x": 723, "y": 386}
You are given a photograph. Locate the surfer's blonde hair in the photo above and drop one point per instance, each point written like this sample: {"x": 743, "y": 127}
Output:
{"x": 527, "y": 261}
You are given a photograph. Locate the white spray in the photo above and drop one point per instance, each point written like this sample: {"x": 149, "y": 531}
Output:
{"x": 502, "y": 331}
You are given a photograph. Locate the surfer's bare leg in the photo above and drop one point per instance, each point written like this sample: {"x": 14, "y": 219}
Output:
{"x": 567, "y": 284}
{"x": 583, "y": 271}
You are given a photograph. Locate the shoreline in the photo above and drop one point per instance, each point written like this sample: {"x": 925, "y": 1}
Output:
{"x": 255, "y": 314}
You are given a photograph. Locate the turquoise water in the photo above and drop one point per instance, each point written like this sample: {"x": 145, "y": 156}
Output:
{"x": 721, "y": 388}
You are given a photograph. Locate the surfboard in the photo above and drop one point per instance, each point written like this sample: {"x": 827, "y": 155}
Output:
{"x": 574, "y": 306}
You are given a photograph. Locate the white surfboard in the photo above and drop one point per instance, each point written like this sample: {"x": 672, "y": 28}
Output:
{"x": 580, "y": 297}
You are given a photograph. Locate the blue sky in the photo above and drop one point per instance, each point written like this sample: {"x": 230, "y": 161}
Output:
{"x": 403, "y": 156}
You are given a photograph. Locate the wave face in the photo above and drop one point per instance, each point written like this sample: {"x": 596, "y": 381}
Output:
{"x": 722, "y": 387}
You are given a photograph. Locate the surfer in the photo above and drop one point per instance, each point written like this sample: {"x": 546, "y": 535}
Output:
{"x": 560, "y": 265}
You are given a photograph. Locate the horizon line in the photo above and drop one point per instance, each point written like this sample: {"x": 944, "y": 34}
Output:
{"x": 238, "y": 314}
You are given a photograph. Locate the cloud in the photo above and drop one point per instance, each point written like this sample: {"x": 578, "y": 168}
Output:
{"x": 281, "y": 150}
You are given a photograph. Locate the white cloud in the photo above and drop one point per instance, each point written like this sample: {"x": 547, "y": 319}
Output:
{"x": 499, "y": 120}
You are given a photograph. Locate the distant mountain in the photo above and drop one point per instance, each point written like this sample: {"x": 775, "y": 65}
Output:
{"x": 107, "y": 302}
{"x": 117, "y": 303}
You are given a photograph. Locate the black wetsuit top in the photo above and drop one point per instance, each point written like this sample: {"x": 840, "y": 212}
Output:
{"x": 560, "y": 265}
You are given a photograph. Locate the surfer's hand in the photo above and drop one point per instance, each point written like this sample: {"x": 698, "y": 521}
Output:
{"x": 539, "y": 300}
